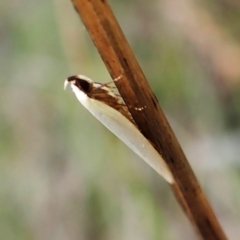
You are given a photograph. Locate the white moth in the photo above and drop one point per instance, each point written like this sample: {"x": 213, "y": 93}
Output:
{"x": 111, "y": 111}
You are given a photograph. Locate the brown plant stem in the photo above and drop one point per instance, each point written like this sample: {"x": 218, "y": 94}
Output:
{"x": 119, "y": 59}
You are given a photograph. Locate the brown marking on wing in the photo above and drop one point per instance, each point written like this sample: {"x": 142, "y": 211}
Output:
{"x": 112, "y": 100}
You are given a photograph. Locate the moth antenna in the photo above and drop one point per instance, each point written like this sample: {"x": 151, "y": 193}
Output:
{"x": 107, "y": 83}
{"x": 118, "y": 78}
{"x": 65, "y": 84}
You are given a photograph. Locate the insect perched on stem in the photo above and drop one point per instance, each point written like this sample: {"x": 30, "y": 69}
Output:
{"x": 111, "y": 111}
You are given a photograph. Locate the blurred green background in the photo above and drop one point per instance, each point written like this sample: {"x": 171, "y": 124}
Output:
{"x": 62, "y": 174}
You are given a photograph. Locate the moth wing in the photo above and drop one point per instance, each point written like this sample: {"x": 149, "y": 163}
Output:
{"x": 129, "y": 134}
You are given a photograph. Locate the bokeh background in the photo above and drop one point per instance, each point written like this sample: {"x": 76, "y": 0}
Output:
{"x": 63, "y": 176}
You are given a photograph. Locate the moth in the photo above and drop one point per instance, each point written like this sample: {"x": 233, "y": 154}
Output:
{"x": 109, "y": 108}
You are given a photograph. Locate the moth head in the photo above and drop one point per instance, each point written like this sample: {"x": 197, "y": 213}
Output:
{"x": 83, "y": 83}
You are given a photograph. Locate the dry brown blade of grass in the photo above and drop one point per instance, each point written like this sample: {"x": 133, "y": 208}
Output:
{"x": 136, "y": 92}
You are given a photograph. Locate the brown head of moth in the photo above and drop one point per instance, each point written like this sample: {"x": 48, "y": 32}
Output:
{"x": 83, "y": 83}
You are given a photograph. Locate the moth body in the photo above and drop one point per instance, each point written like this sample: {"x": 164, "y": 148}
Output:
{"x": 118, "y": 123}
